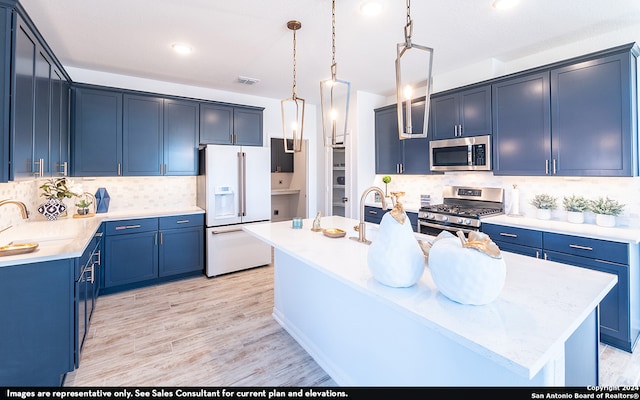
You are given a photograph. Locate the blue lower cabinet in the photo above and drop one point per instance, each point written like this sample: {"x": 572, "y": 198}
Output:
{"x": 146, "y": 251}
{"x": 375, "y": 214}
{"x": 37, "y": 318}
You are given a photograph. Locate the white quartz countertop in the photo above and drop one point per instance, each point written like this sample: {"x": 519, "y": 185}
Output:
{"x": 68, "y": 237}
{"x": 620, "y": 234}
{"x": 540, "y": 306}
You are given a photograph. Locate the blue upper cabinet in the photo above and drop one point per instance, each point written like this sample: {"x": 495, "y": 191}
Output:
{"x": 5, "y": 91}
{"x": 181, "y": 127}
{"x": 96, "y": 133}
{"x": 227, "y": 124}
{"x": 521, "y": 125}
{"x": 574, "y": 118}
{"x": 142, "y": 136}
{"x": 592, "y": 106}
{"x": 395, "y": 156}
{"x": 461, "y": 113}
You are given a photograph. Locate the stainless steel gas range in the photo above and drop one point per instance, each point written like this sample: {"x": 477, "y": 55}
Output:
{"x": 462, "y": 209}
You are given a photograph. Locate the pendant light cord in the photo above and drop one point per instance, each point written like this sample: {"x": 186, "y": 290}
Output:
{"x": 294, "y": 96}
{"x": 333, "y": 41}
{"x": 408, "y": 28}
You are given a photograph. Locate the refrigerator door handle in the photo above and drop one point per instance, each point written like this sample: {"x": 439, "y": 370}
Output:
{"x": 242, "y": 163}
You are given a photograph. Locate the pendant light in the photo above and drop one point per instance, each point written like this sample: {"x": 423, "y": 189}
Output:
{"x": 413, "y": 70}
{"x": 334, "y": 97}
{"x": 293, "y": 107}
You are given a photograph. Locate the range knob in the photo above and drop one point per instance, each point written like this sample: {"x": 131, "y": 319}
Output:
{"x": 464, "y": 221}
{"x": 444, "y": 218}
{"x": 431, "y": 216}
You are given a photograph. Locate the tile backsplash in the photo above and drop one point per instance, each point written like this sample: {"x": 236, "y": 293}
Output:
{"x": 624, "y": 190}
{"x": 126, "y": 193}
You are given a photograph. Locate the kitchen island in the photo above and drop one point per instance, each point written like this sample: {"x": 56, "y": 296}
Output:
{"x": 541, "y": 331}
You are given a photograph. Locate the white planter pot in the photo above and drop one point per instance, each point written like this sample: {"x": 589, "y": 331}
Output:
{"x": 575, "y": 217}
{"x": 605, "y": 220}
{"x": 543, "y": 213}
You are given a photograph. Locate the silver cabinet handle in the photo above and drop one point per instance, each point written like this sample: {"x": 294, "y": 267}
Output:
{"x": 97, "y": 254}
{"x": 537, "y": 254}
{"x": 182, "y": 221}
{"x": 119, "y": 228}
{"x": 227, "y": 231}
{"x": 577, "y": 246}
{"x": 546, "y": 167}
{"x": 119, "y": 170}
{"x": 508, "y": 235}
{"x": 40, "y": 172}
{"x": 64, "y": 168}
{"x": 554, "y": 167}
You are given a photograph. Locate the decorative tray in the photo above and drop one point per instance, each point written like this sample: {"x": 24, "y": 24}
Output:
{"x": 334, "y": 232}
{"x": 13, "y": 249}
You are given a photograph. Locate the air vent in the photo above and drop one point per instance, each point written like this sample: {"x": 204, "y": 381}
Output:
{"x": 247, "y": 81}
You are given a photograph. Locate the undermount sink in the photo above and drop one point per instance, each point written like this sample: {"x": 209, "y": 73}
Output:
{"x": 19, "y": 248}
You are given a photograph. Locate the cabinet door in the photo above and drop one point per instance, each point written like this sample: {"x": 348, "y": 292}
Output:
{"x": 387, "y": 143}
{"x": 56, "y": 138}
{"x": 216, "y": 124}
{"x": 131, "y": 258}
{"x": 42, "y": 113}
{"x": 23, "y": 103}
{"x": 415, "y": 152}
{"x": 247, "y": 127}
{"x": 521, "y": 125}
{"x": 614, "y": 308}
{"x": 444, "y": 116}
{"x": 181, "y": 120}
{"x": 181, "y": 251}
{"x": 142, "y": 136}
{"x": 37, "y": 320}
{"x": 475, "y": 112}
{"x": 5, "y": 90}
{"x": 97, "y": 132}
{"x": 591, "y": 108}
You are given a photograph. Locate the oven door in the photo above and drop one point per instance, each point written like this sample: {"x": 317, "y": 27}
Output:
{"x": 434, "y": 229}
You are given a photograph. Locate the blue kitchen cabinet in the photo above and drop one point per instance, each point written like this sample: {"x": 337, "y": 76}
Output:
{"x": 375, "y": 214}
{"x": 37, "y": 319}
{"x": 38, "y": 114}
{"x": 522, "y": 125}
{"x": 142, "y": 136}
{"x": 86, "y": 282}
{"x": 146, "y": 251}
{"x": 181, "y": 248}
{"x": 516, "y": 240}
{"x": 181, "y": 133}
{"x": 131, "y": 251}
{"x": 395, "y": 156}
{"x": 592, "y": 107}
{"x": 96, "y": 133}
{"x": 5, "y": 90}
{"x": 22, "y": 160}
{"x": 230, "y": 124}
{"x": 461, "y": 112}
{"x": 160, "y": 136}
{"x": 619, "y": 326}
{"x": 59, "y": 127}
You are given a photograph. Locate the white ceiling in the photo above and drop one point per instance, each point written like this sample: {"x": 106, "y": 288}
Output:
{"x": 234, "y": 38}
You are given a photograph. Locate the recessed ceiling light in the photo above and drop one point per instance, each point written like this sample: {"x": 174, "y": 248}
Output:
{"x": 371, "y": 7}
{"x": 504, "y": 4}
{"x": 181, "y": 48}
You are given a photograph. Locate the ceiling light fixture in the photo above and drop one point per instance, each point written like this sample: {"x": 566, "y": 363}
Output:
{"x": 293, "y": 107}
{"x": 413, "y": 70}
{"x": 371, "y": 7}
{"x": 504, "y": 4}
{"x": 334, "y": 97}
{"x": 181, "y": 48}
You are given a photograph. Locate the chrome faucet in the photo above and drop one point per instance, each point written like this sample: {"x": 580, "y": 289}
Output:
{"x": 362, "y": 230}
{"x": 21, "y": 205}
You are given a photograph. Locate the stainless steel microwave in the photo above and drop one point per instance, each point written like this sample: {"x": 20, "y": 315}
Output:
{"x": 461, "y": 154}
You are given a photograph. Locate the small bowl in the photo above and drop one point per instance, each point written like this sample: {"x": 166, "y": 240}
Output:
{"x": 334, "y": 232}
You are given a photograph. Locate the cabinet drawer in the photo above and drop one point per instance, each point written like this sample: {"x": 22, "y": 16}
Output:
{"x": 373, "y": 214}
{"x": 131, "y": 226}
{"x": 586, "y": 247}
{"x": 182, "y": 221}
{"x": 508, "y": 234}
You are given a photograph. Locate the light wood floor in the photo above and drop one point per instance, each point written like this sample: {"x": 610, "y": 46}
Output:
{"x": 220, "y": 332}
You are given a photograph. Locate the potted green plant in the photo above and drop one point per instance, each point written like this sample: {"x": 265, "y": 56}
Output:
{"x": 544, "y": 203}
{"x": 606, "y": 211}
{"x": 55, "y": 190}
{"x": 83, "y": 206}
{"x": 386, "y": 179}
{"x": 575, "y": 206}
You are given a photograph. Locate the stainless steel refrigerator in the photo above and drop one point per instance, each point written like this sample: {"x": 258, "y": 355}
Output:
{"x": 234, "y": 188}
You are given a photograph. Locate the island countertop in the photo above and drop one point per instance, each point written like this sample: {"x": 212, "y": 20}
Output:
{"x": 540, "y": 306}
